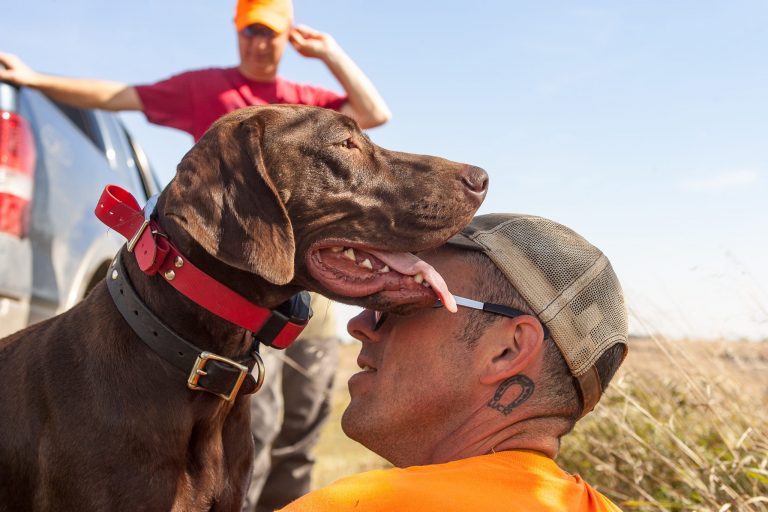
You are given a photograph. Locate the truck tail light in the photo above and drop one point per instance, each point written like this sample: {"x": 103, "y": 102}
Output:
{"x": 17, "y": 173}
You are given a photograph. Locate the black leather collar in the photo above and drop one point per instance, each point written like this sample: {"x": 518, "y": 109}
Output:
{"x": 205, "y": 371}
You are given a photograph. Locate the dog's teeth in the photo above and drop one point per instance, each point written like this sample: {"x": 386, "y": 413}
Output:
{"x": 425, "y": 285}
{"x": 350, "y": 254}
{"x": 384, "y": 269}
{"x": 418, "y": 278}
{"x": 366, "y": 263}
{"x": 337, "y": 249}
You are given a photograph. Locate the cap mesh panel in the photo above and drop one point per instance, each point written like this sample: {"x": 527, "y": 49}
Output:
{"x": 566, "y": 280}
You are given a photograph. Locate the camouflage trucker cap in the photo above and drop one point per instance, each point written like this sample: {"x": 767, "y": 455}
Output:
{"x": 569, "y": 284}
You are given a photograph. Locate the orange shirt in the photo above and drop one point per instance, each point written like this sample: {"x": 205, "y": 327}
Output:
{"x": 510, "y": 480}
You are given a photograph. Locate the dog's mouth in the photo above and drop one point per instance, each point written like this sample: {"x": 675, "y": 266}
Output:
{"x": 376, "y": 278}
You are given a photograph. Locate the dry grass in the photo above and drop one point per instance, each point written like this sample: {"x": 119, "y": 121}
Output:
{"x": 684, "y": 427}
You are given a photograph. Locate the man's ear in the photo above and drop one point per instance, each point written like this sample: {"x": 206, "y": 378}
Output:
{"x": 225, "y": 199}
{"x": 513, "y": 346}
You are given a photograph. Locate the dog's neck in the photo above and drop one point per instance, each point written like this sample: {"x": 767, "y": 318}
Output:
{"x": 190, "y": 320}
{"x": 250, "y": 285}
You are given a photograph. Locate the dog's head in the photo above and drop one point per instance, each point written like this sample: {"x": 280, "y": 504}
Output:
{"x": 300, "y": 196}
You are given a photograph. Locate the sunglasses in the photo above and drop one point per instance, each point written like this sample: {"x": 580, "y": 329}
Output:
{"x": 379, "y": 317}
{"x": 257, "y": 30}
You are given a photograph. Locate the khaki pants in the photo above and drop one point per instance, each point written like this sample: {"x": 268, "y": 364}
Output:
{"x": 289, "y": 411}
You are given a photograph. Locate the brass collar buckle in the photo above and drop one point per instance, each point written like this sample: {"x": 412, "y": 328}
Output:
{"x": 198, "y": 370}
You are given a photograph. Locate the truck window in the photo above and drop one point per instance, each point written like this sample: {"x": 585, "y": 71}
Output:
{"x": 84, "y": 121}
{"x": 148, "y": 178}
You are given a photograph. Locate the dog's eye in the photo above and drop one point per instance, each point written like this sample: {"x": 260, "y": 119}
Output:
{"x": 348, "y": 143}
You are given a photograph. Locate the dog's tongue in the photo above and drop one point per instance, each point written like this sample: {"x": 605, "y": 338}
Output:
{"x": 410, "y": 265}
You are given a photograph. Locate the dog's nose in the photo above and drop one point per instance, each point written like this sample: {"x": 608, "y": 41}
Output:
{"x": 475, "y": 178}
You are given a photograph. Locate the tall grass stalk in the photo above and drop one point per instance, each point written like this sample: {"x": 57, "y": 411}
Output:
{"x": 682, "y": 428}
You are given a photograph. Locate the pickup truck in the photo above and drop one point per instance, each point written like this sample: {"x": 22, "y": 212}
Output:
{"x": 54, "y": 162}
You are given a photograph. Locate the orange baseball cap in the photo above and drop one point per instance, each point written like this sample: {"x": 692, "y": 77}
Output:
{"x": 275, "y": 14}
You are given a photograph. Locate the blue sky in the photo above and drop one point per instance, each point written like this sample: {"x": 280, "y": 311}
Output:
{"x": 641, "y": 124}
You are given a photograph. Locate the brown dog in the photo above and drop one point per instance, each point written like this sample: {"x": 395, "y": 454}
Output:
{"x": 272, "y": 200}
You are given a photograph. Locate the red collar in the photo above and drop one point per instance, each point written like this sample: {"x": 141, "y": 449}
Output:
{"x": 154, "y": 253}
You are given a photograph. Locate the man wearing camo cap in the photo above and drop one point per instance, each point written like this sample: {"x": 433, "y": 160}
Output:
{"x": 470, "y": 407}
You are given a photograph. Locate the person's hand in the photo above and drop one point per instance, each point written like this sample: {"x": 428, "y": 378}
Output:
{"x": 15, "y": 70}
{"x": 312, "y": 43}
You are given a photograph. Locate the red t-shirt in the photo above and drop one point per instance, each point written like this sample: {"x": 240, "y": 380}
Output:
{"x": 193, "y": 100}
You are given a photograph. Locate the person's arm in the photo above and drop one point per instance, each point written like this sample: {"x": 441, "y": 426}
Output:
{"x": 364, "y": 103}
{"x": 77, "y": 92}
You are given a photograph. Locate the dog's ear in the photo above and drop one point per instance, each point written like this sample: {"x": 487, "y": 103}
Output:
{"x": 225, "y": 199}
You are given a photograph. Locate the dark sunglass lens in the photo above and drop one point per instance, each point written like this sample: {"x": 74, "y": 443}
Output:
{"x": 257, "y": 30}
{"x": 379, "y": 317}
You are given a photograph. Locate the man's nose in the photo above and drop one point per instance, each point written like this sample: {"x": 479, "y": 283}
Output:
{"x": 360, "y": 327}
{"x": 260, "y": 42}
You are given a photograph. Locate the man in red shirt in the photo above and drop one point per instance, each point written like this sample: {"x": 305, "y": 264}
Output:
{"x": 288, "y": 413}
{"x": 191, "y": 101}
